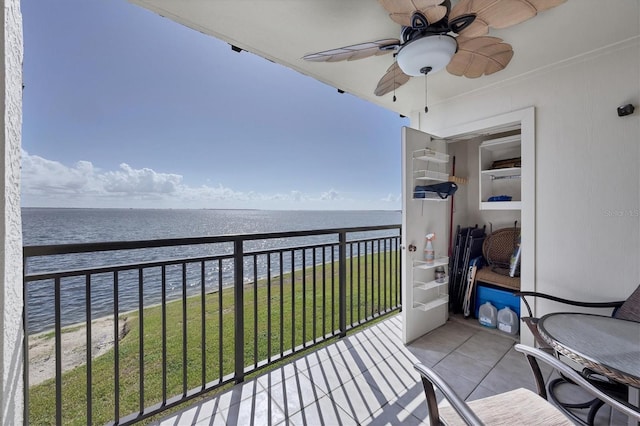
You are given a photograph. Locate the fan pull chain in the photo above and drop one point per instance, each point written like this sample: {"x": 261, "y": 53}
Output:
{"x": 426, "y": 109}
{"x": 395, "y": 72}
{"x": 425, "y": 71}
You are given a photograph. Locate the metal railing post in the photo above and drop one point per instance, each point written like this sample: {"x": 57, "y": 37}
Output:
{"x": 342, "y": 283}
{"x": 399, "y": 270}
{"x": 238, "y": 302}
{"x": 25, "y": 339}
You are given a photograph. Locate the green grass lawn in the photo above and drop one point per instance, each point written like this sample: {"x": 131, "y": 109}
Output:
{"x": 277, "y": 318}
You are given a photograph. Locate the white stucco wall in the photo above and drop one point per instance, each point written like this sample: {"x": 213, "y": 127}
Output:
{"x": 587, "y": 167}
{"x": 11, "y": 393}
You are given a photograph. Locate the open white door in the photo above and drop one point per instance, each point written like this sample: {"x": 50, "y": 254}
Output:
{"x": 424, "y": 300}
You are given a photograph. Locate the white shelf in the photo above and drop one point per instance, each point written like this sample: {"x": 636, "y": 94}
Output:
{"x": 430, "y": 175}
{"x": 501, "y": 205}
{"x": 506, "y": 172}
{"x": 421, "y": 264}
{"x": 431, "y": 170}
{"x": 499, "y": 144}
{"x": 496, "y": 182}
{"x": 429, "y": 285}
{"x": 439, "y": 301}
{"x": 430, "y": 155}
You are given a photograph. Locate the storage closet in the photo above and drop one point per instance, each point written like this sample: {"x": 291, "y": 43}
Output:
{"x": 496, "y": 158}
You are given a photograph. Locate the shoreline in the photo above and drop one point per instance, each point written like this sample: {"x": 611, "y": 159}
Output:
{"x": 261, "y": 280}
{"x": 74, "y": 343}
{"x": 74, "y": 347}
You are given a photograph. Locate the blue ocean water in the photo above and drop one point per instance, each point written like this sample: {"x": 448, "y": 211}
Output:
{"x": 45, "y": 226}
{"x": 64, "y": 226}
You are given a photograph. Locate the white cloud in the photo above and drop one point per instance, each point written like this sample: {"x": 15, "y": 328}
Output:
{"x": 48, "y": 183}
{"x": 140, "y": 181}
{"x": 390, "y": 198}
{"x": 42, "y": 175}
{"x": 219, "y": 192}
{"x": 330, "y": 195}
{"x": 47, "y": 177}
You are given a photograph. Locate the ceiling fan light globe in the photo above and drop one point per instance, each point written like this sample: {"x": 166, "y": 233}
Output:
{"x": 433, "y": 51}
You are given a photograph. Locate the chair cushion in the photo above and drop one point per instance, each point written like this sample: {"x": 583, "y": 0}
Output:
{"x": 630, "y": 309}
{"x": 516, "y": 407}
{"x": 486, "y": 275}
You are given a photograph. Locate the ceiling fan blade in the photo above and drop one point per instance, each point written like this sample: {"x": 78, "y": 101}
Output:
{"x": 434, "y": 14}
{"x": 480, "y": 56}
{"x": 542, "y": 5}
{"x": 353, "y": 52}
{"x": 498, "y": 13}
{"x": 400, "y": 11}
{"x": 392, "y": 79}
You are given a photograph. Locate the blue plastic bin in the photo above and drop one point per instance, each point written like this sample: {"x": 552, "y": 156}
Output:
{"x": 498, "y": 298}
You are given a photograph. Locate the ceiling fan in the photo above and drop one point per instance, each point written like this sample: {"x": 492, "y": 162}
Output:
{"x": 434, "y": 36}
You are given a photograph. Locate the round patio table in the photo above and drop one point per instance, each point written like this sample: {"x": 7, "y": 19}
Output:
{"x": 606, "y": 345}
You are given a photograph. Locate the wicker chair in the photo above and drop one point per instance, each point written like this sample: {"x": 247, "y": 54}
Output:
{"x": 626, "y": 309}
{"x": 520, "y": 406}
{"x": 497, "y": 249}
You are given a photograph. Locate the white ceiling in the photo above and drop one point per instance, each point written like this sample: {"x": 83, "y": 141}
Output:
{"x": 285, "y": 30}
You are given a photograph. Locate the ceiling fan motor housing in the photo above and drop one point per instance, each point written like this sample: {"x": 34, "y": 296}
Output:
{"x": 434, "y": 51}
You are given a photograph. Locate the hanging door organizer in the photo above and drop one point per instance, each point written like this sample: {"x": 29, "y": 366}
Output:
{"x": 429, "y": 167}
{"x": 428, "y": 293}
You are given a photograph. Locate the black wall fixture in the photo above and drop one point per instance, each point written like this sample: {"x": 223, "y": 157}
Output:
{"x": 625, "y": 110}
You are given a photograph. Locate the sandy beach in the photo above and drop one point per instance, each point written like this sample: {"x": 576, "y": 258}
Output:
{"x": 74, "y": 347}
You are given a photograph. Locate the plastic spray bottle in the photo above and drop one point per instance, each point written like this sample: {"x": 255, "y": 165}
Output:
{"x": 429, "y": 253}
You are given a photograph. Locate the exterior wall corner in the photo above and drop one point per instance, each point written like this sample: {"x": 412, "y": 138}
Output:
{"x": 11, "y": 291}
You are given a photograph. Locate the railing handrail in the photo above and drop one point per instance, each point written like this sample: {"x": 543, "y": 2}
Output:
{"x": 55, "y": 249}
{"x": 30, "y": 277}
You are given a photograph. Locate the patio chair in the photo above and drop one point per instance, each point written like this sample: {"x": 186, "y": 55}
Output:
{"x": 516, "y": 407}
{"x": 534, "y": 355}
{"x": 626, "y": 309}
{"x": 520, "y": 406}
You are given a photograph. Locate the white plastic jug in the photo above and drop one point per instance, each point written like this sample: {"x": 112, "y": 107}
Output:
{"x": 487, "y": 315}
{"x": 508, "y": 321}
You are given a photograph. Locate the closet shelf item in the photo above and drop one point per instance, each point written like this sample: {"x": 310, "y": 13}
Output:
{"x": 427, "y": 196}
{"x": 439, "y": 301}
{"x": 458, "y": 180}
{"x": 501, "y": 144}
{"x": 428, "y": 154}
{"x": 501, "y": 205}
{"x": 429, "y": 285}
{"x": 421, "y": 264}
{"x": 430, "y": 175}
{"x": 514, "y": 172}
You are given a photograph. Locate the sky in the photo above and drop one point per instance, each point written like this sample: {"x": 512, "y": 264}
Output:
{"x": 124, "y": 108}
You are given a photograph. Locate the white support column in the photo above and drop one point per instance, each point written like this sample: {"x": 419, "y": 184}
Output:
{"x": 11, "y": 298}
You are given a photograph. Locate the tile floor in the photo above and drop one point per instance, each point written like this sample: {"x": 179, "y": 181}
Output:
{"x": 368, "y": 378}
